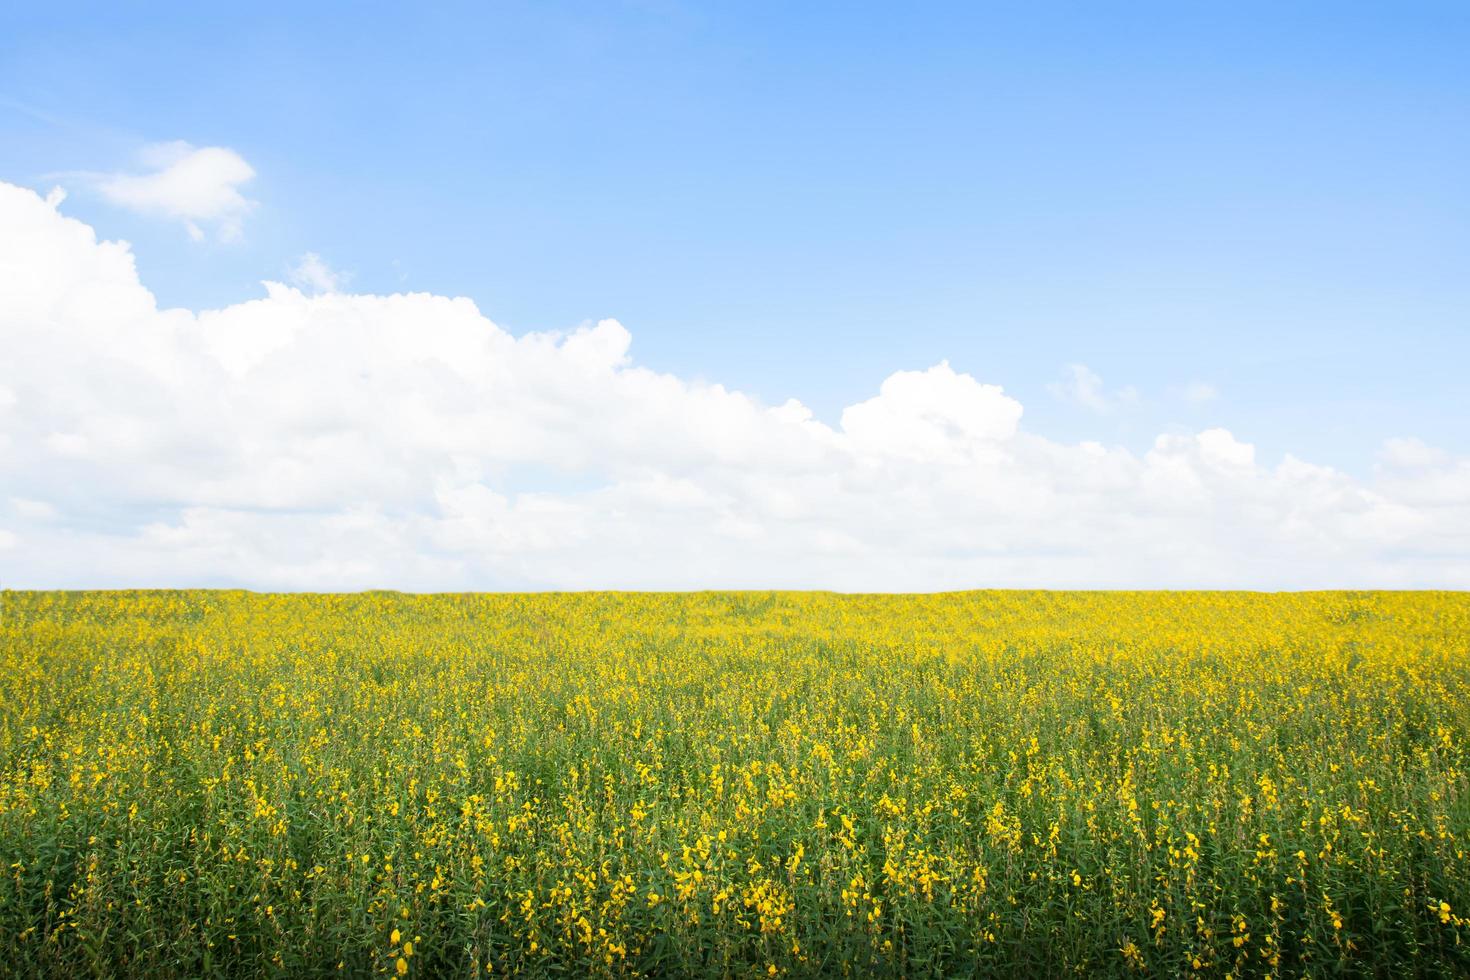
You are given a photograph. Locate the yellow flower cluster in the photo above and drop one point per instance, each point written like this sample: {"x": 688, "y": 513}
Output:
{"x": 734, "y": 784}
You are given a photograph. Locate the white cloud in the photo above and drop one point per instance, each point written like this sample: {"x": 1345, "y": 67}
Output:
{"x": 1083, "y": 386}
{"x": 32, "y": 509}
{"x": 347, "y": 441}
{"x": 1409, "y": 453}
{"x": 930, "y": 416}
{"x": 196, "y": 185}
{"x": 312, "y": 274}
{"x": 1199, "y": 392}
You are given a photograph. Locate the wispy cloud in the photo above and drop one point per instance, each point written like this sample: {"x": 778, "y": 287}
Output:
{"x": 1083, "y": 386}
{"x": 198, "y": 186}
{"x": 311, "y": 273}
{"x": 1198, "y": 392}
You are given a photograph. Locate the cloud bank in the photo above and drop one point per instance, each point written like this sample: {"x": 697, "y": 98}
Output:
{"x": 340, "y": 441}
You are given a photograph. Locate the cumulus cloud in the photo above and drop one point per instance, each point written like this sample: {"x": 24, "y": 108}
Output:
{"x": 1083, "y": 386}
{"x": 333, "y": 440}
{"x": 931, "y": 416}
{"x": 199, "y": 186}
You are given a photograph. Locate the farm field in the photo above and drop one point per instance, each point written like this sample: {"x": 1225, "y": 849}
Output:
{"x": 735, "y": 784}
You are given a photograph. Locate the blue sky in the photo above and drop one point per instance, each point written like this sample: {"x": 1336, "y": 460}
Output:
{"x": 1262, "y": 202}
{"x": 797, "y": 199}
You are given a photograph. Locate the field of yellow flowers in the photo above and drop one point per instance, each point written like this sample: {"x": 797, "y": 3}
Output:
{"x": 734, "y": 784}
